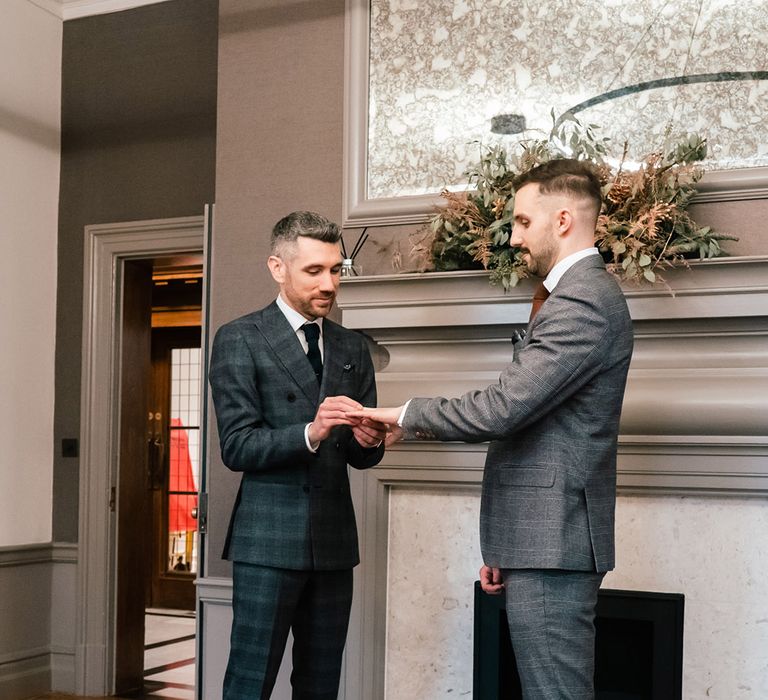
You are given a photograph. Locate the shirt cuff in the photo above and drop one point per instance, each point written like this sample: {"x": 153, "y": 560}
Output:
{"x": 312, "y": 448}
{"x": 401, "y": 417}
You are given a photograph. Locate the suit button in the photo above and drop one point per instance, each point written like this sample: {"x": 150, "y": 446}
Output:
{"x": 338, "y": 445}
{"x": 291, "y": 397}
{"x": 305, "y": 489}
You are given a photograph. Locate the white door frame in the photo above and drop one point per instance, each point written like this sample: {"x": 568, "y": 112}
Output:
{"x": 106, "y": 246}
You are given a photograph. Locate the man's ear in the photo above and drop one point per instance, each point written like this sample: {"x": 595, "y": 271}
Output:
{"x": 564, "y": 221}
{"x": 277, "y": 268}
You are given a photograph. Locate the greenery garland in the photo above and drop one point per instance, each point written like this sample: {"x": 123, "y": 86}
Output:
{"x": 643, "y": 226}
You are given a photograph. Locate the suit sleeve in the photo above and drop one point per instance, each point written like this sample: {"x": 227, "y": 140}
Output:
{"x": 358, "y": 456}
{"x": 247, "y": 444}
{"x": 565, "y": 352}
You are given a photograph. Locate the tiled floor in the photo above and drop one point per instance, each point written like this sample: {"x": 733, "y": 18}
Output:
{"x": 169, "y": 657}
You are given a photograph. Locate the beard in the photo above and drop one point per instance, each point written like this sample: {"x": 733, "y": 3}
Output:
{"x": 317, "y": 307}
{"x": 543, "y": 261}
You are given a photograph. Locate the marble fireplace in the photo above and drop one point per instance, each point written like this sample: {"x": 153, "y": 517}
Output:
{"x": 693, "y": 474}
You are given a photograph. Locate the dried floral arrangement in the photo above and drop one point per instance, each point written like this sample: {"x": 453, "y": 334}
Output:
{"x": 643, "y": 226}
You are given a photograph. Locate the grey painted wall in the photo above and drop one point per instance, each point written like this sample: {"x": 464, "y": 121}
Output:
{"x": 138, "y": 142}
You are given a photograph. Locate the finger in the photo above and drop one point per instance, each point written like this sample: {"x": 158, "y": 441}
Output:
{"x": 392, "y": 438}
{"x": 343, "y": 402}
{"x": 373, "y": 428}
{"x": 335, "y": 419}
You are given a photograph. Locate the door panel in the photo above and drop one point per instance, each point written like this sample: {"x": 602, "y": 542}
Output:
{"x": 133, "y": 532}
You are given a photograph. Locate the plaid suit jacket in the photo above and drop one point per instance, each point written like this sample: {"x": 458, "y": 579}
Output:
{"x": 549, "y": 484}
{"x": 293, "y": 509}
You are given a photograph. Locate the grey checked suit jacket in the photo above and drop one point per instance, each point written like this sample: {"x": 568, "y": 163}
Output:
{"x": 549, "y": 485}
{"x": 293, "y": 509}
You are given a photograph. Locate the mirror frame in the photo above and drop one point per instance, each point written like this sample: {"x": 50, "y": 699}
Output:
{"x": 359, "y": 210}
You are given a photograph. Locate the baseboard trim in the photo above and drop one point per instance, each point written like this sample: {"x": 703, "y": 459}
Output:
{"x": 25, "y": 674}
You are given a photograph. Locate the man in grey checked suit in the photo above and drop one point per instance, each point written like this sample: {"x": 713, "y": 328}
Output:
{"x": 549, "y": 484}
{"x": 283, "y": 380}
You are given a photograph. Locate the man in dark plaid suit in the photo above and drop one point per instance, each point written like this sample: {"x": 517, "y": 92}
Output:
{"x": 283, "y": 380}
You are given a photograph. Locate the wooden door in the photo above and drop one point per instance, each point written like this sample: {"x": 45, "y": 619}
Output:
{"x": 132, "y": 498}
{"x": 174, "y": 465}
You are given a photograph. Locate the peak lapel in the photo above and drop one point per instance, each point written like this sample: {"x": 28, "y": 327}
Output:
{"x": 287, "y": 348}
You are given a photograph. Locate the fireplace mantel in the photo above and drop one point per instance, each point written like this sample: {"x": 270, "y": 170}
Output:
{"x": 695, "y": 417}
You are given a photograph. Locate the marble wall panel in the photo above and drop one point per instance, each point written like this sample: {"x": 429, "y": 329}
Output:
{"x": 441, "y": 69}
{"x": 707, "y": 548}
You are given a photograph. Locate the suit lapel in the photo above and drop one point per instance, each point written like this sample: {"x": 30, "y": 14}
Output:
{"x": 334, "y": 358}
{"x": 591, "y": 261}
{"x": 287, "y": 348}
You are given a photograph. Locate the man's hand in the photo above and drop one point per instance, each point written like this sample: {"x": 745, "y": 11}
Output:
{"x": 388, "y": 416}
{"x": 369, "y": 432}
{"x": 490, "y": 580}
{"x": 394, "y": 434}
{"x": 335, "y": 410}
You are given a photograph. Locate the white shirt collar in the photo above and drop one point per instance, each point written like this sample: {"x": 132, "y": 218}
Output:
{"x": 294, "y": 317}
{"x": 551, "y": 280}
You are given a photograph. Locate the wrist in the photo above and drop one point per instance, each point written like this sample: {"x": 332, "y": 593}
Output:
{"x": 311, "y": 437}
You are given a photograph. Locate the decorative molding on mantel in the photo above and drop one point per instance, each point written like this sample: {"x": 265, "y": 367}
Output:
{"x": 74, "y": 9}
{"x": 721, "y": 287}
{"x": 701, "y": 342}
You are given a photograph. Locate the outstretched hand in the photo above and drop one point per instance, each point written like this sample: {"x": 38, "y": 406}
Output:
{"x": 386, "y": 416}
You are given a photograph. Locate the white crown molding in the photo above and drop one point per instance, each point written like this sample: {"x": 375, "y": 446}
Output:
{"x": 52, "y": 7}
{"x": 73, "y": 9}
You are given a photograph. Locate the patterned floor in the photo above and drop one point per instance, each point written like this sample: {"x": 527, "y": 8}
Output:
{"x": 169, "y": 657}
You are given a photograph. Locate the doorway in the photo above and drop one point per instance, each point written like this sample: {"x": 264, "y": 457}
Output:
{"x": 123, "y": 541}
{"x": 158, "y": 476}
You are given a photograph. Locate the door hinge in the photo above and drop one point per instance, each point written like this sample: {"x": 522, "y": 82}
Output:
{"x": 201, "y": 512}
{"x": 112, "y": 498}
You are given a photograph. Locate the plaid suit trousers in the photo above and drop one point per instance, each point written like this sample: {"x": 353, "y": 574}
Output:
{"x": 267, "y": 602}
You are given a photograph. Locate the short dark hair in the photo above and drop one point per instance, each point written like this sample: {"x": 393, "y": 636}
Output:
{"x": 303, "y": 223}
{"x": 568, "y": 176}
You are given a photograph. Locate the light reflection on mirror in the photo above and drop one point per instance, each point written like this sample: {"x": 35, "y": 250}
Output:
{"x": 440, "y": 71}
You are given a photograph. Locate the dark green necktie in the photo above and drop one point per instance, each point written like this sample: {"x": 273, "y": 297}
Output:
{"x": 312, "y": 333}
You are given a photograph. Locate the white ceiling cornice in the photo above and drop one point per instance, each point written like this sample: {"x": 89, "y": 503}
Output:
{"x": 72, "y": 9}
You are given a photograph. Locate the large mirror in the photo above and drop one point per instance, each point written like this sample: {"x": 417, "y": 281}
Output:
{"x": 427, "y": 79}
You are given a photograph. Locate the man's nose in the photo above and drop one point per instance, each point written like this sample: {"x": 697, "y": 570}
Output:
{"x": 515, "y": 239}
{"x": 329, "y": 282}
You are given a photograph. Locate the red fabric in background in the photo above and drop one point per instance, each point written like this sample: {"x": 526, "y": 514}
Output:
{"x": 180, "y": 479}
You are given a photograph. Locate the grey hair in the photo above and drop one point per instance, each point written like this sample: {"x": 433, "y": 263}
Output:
{"x": 302, "y": 223}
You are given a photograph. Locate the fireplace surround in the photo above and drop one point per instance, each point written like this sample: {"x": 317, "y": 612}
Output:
{"x": 693, "y": 426}
{"x": 638, "y": 647}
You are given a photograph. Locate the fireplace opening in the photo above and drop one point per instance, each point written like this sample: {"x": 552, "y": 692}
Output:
{"x": 638, "y": 647}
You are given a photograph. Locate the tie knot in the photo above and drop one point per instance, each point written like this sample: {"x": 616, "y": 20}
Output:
{"x": 311, "y": 331}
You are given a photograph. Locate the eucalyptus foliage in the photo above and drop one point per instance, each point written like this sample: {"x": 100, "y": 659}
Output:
{"x": 643, "y": 225}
